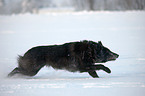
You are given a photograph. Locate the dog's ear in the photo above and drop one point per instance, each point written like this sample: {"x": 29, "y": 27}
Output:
{"x": 99, "y": 42}
{"x": 99, "y": 46}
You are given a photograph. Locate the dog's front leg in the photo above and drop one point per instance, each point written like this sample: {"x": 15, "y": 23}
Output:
{"x": 93, "y": 74}
{"x": 101, "y": 67}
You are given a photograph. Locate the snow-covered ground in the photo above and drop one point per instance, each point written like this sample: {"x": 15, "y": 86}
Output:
{"x": 122, "y": 32}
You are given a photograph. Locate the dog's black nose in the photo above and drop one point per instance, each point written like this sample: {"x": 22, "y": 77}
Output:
{"x": 116, "y": 55}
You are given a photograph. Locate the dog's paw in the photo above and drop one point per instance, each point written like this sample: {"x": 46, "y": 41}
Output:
{"x": 106, "y": 69}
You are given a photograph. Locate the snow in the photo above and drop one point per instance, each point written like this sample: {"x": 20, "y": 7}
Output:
{"x": 122, "y": 32}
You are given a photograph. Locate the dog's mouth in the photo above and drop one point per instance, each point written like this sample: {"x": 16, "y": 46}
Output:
{"x": 112, "y": 59}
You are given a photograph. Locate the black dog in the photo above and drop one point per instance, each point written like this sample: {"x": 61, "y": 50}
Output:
{"x": 73, "y": 56}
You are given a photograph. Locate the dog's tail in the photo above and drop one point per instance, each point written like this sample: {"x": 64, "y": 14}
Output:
{"x": 20, "y": 60}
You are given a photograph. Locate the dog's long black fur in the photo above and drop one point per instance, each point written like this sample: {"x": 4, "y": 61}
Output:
{"x": 74, "y": 56}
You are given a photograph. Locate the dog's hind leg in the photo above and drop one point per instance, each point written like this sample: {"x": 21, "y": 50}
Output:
{"x": 29, "y": 71}
{"x": 30, "y": 66}
{"x": 27, "y": 67}
{"x": 15, "y": 71}
{"x": 93, "y": 74}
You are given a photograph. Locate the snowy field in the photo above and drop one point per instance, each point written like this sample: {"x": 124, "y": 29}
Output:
{"x": 122, "y": 32}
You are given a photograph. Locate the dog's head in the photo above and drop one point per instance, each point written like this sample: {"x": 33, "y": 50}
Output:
{"x": 103, "y": 54}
